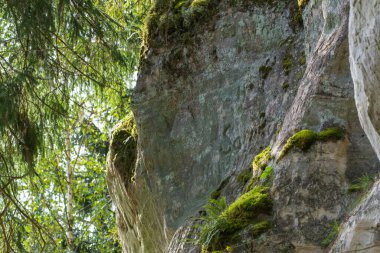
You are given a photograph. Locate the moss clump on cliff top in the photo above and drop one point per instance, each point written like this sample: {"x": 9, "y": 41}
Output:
{"x": 221, "y": 227}
{"x": 181, "y": 19}
{"x": 171, "y": 18}
{"x": 305, "y": 138}
{"x": 123, "y": 147}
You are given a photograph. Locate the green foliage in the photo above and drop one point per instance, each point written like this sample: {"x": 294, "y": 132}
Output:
{"x": 247, "y": 207}
{"x": 221, "y": 224}
{"x": 244, "y": 176}
{"x": 334, "y": 230}
{"x": 334, "y": 133}
{"x": 210, "y": 223}
{"x": 215, "y": 194}
{"x": 261, "y": 160}
{"x": 261, "y": 227}
{"x": 251, "y": 183}
{"x": 362, "y": 183}
{"x": 266, "y": 173}
{"x": 264, "y": 71}
{"x": 304, "y": 139}
{"x": 176, "y": 19}
{"x": 64, "y": 66}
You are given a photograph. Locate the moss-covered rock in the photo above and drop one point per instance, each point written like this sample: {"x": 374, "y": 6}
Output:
{"x": 123, "y": 147}
{"x": 267, "y": 173}
{"x": 245, "y": 210}
{"x": 305, "y": 138}
{"x": 333, "y": 133}
{"x": 169, "y": 19}
{"x": 261, "y": 160}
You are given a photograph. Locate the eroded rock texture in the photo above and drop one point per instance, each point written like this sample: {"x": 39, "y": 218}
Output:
{"x": 362, "y": 230}
{"x": 250, "y": 76}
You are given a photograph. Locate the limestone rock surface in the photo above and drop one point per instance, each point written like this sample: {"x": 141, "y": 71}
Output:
{"x": 251, "y": 76}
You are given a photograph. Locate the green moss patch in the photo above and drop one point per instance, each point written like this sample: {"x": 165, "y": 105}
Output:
{"x": 244, "y": 176}
{"x": 123, "y": 147}
{"x": 264, "y": 71}
{"x": 304, "y": 139}
{"x": 334, "y": 133}
{"x": 261, "y": 227}
{"x": 169, "y": 19}
{"x": 267, "y": 173}
{"x": 223, "y": 228}
{"x": 247, "y": 207}
{"x": 261, "y": 160}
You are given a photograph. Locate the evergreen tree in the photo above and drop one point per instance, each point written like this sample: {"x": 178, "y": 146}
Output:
{"x": 64, "y": 70}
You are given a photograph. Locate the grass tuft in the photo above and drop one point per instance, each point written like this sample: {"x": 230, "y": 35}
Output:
{"x": 334, "y": 230}
{"x": 363, "y": 183}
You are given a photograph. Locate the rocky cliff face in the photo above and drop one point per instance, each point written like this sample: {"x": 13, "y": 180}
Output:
{"x": 361, "y": 232}
{"x": 219, "y": 82}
